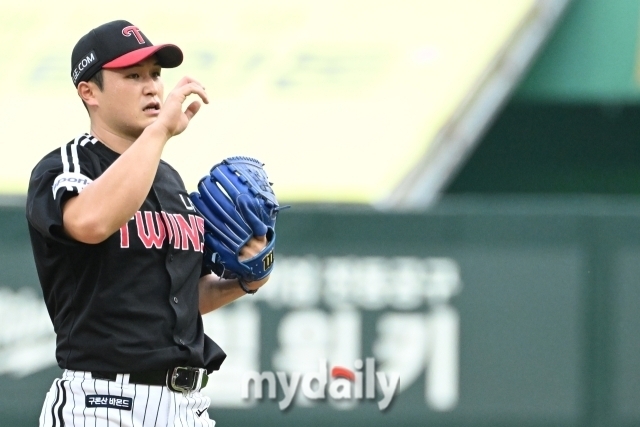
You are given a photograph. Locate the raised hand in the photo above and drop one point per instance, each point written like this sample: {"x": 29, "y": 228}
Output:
{"x": 172, "y": 118}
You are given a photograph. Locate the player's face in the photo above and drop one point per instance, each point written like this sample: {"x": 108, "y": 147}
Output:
{"x": 132, "y": 97}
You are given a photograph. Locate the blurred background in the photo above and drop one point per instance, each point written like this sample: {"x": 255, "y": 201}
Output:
{"x": 464, "y": 176}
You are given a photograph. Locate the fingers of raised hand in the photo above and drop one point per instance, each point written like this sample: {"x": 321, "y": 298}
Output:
{"x": 187, "y": 86}
{"x": 192, "y": 109}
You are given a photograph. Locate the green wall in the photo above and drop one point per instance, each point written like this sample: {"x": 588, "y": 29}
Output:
{"x": 556, "y": 148}
{"x": 591, "y": 56}
{"x": 544, "y": 290}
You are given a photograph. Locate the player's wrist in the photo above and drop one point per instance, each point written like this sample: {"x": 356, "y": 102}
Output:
{"x": 252, "y": 287}
{"x": 158, "y": 131}
{"x": 246, "y": 288}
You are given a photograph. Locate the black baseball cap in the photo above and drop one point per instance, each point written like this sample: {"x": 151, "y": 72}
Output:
{"x": 117, "y": 44}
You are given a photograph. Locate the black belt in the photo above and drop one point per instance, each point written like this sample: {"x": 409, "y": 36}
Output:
{"x": 180, "y": 379}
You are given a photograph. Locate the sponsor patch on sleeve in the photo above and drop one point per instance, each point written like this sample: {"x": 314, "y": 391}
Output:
{"x": 111, "y": 402}
{"x": 70, "y": 180}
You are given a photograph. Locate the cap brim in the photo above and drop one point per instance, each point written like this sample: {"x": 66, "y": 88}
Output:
{"x": 169, "y": 56}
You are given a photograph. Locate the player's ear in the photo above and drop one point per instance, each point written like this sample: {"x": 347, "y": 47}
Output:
{"x": 87, "y": 92}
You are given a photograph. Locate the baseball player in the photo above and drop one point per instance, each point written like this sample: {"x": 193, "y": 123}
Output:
{"x": 118, "y": 246}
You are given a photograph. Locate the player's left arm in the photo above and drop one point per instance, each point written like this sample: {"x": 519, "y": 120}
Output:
{"x": 216, "y": 292}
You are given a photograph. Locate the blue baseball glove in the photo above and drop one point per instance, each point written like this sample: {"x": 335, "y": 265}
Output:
{"x": 237, "y": 202}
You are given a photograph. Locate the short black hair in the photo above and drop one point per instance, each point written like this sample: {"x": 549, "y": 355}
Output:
{"x": 98, "y": 79}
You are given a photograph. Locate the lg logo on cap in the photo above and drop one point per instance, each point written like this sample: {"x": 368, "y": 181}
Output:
{"x": 132, "y": 29}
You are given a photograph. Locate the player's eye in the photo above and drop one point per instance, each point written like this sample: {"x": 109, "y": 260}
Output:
{"x": 156, "y": 74}
{"x": 133, "y": 76}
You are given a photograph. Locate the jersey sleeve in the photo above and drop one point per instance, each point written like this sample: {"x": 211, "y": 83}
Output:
{"x": 60, "y": 175}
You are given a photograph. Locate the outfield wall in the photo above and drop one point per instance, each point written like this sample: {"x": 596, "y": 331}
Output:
{"x": 492, "y": 311}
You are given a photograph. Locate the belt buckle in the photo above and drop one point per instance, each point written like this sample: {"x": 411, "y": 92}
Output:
{"x": 185, "y": 379}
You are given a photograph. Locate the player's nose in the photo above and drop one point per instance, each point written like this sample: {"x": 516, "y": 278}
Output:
{"x": 152, "y": 86}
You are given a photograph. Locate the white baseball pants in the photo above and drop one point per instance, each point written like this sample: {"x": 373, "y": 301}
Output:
{"x": 77, "y": 400}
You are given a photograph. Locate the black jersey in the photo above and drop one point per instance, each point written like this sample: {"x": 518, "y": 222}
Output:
{"x": 129, "y": 303}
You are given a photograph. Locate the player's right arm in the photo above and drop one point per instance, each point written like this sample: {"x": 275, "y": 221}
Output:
{"x": 101, "y": 208}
